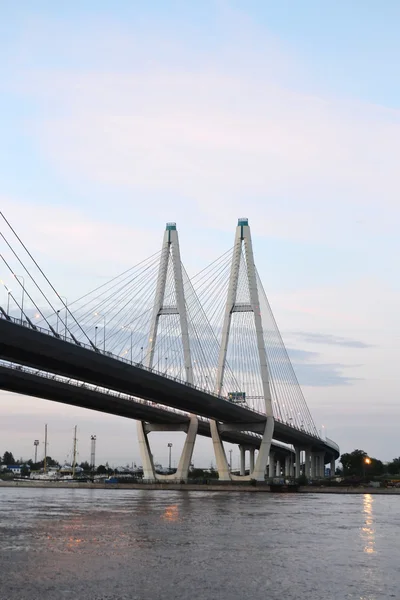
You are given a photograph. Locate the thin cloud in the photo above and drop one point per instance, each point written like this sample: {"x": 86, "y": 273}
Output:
{"x": 331, "y": 340}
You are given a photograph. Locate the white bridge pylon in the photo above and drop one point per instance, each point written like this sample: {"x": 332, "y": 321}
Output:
{"x": 243, "y": 246}
{"x": 170, "y": 252}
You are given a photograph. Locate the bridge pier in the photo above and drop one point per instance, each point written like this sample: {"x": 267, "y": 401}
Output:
{"x": 307, "y": 461}
{"x": 297, "y": 463}
{"x": 320, "y": 465}
{"x": 182, "y": 472}
{"x": 271, "y": 467}
{"x": 242, "y": 460}
{"x": 333, "y": 466}
{"x": 252, "y": 454}
{"x": 257, "y": 466}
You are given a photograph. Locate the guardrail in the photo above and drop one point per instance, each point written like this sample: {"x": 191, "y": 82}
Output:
{"x": 65, "y": 338}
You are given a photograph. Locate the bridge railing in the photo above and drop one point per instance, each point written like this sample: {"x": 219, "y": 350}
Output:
{"x": 99, "y": 389}
{"x": 65, "y": 338}
{"x": 332, "y": 443}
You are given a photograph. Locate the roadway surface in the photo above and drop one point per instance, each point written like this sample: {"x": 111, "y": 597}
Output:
{"x": 26, "y": 346}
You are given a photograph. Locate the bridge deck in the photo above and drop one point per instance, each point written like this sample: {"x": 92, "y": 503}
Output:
{"x": 35, "y": 349}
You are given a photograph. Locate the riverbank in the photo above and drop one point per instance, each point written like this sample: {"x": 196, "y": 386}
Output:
{"x": 193, "y": 487}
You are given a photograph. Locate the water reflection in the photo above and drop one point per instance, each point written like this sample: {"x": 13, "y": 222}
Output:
{"x": 368, "y": 531}
{"x": 171, "y": 513}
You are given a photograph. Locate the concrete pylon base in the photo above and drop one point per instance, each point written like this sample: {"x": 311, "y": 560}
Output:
{"x": 258, "y": 473}
{"x": 182, "y": 472}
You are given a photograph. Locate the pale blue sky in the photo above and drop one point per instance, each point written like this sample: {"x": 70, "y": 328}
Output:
{"x": 117, "y": 117}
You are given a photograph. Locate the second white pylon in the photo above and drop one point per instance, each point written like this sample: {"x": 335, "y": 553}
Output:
{"x": 243, "y": 251}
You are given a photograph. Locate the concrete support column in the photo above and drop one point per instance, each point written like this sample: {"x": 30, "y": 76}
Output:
{"x": 333, "y": 467}
{"x": 287, "y": 466}
{"x": 278, "y": 467}
{"x": 307, "y": 461}
{"x": 242, "y": 460}
{"x": 252, "y": 452}
{"x": 271, "y": 468}
{"x": 291, "y": 466}
{"x": 313, "y": 465}
{"x": 297, "y": 470}
{"x": 322, "y": 464}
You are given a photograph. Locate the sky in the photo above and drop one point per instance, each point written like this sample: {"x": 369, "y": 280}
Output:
{"x": 118, "y": 117}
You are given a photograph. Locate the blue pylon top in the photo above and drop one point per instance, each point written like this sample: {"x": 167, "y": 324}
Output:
{"x": 242, "y": 221}
{"x": 170, "y": 226}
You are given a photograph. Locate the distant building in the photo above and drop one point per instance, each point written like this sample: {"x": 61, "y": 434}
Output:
{"x": 15, "y": 469}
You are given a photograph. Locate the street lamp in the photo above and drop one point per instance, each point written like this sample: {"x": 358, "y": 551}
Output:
{"x": 104, "y": 330}
{"x": 169, "y": 460}
{"x": 18, "y": 277}
{"x": 8, "y": 299}
{"x": 130, "y": 329}
{"x": 366, "y": 461}
{"x": 66, "y": 315}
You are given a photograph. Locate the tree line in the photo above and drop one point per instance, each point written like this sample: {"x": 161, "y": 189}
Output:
{"x": 359, "y": 463}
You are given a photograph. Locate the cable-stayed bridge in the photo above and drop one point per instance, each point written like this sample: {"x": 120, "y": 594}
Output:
{"x": 202, "y": 355}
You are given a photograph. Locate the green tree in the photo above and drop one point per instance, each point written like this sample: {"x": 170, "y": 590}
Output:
{"x": 25, "y": 471}
{"x": 85, "y": 466}
{"x": 353, "y": 462}
{"x": 8, "y": 458}
{"x": 394, "y": 467}
{"x": 197, "y": 474}
{"x": 101, "y": 470}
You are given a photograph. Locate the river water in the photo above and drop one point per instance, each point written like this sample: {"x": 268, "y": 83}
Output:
{"x": 150, "y": 545}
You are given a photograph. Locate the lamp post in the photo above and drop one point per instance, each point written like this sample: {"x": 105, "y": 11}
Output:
{"x": 95, "y": 336}
{"x": 169, "y": 459}
{"x": 131, "y": 335}
{"x": 104, "y": 330}
{"x": 366, "y": 461}
{"x": 66, "y": 316}
{"x": 8, "y": 299}
{"x": 18, "y": 277}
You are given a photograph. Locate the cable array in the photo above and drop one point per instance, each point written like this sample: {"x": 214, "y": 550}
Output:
{"x": 116, "y": 318}
{"x": 288, "y": 402}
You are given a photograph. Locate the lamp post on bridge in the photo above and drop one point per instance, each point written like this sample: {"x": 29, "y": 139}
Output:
{"x": 104, "y": 329}
{"x": 66, "y": 316}
{"x": 18, "y": 277}
{"x": 131, "y": 335}
{"x": 8, "y": 299}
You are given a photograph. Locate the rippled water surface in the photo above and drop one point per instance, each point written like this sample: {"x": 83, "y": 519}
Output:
{"x": 130, "y": 544}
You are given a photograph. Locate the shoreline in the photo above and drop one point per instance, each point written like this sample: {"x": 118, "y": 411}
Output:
{"x": 194, "y": 487}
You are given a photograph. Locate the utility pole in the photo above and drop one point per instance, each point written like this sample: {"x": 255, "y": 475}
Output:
{"x": 92, "y": 452}
{"x": 74, "y": 453}
{"x": 45, "y": 449}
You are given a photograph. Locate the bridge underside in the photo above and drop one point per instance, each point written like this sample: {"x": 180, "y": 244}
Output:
{"x": 34, "y": 349}
{"x": 22, "y": 382}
